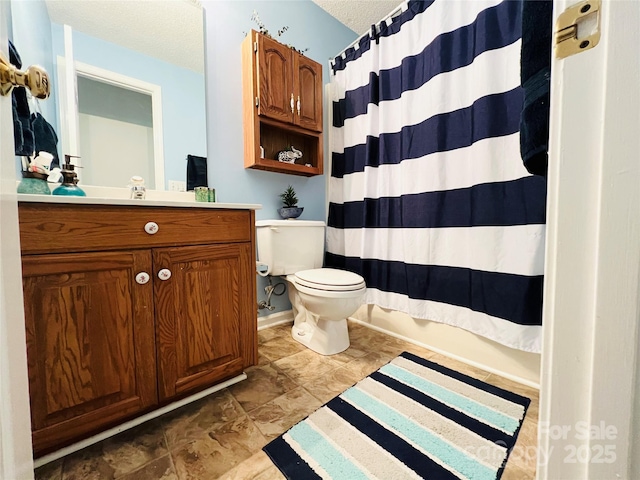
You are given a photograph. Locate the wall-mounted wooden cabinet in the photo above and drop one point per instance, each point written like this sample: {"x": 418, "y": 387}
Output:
{"x": 282, "y": 102}
{"x": 120, "y": 321}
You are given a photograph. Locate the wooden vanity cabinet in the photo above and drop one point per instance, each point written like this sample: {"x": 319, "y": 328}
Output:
{"x": 90, "y": 342}
{"x": 282, "y": 102}
{"x": 120, "y": 321}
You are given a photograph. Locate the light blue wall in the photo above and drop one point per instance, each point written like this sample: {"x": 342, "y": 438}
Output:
{"x": 183, "y": 110}
{"x": 31, "y": 35}
{"x": 226, "y": 23}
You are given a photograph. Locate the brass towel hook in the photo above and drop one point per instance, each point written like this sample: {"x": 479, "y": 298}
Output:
{"x": 35, "y": 78}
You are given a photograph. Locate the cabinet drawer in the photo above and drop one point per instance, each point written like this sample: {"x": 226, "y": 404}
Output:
{"x": 52, "y": 228}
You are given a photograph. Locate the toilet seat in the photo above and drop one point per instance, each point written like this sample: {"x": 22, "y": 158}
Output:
{"x": 329, "y": 280}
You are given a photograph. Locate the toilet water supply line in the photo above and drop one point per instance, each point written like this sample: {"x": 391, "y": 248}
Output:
{"x": 271, "y": 290}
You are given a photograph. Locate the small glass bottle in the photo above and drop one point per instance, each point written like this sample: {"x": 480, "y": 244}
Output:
{"x": 202, "y": 194}
{"x": 138, "y": 190}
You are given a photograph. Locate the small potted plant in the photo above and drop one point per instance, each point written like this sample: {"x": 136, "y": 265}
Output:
{"x": 290, "y": 209}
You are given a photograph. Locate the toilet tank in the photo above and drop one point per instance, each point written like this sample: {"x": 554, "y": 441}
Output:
{"x": 288, "y": 246}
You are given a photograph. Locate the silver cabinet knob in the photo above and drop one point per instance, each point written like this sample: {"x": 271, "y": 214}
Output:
{"x": 164, "y": 274}
{"x": 142, "y": 278}
{"x": 151, "y": 228}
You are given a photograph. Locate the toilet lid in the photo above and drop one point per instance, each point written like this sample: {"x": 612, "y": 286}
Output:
{"x": 330, "y": 279}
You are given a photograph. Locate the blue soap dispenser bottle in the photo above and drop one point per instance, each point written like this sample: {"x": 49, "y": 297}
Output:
{"x": 69, "y": 185}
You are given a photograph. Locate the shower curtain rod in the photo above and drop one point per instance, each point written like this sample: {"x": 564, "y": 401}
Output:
{"x": 396, "y": 11}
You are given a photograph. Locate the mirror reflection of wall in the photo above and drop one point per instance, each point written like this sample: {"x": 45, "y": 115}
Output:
{"x": 151, "y": 41}
{"x": 111, "y": 115}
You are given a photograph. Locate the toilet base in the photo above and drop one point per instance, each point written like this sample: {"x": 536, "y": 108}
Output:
{"x": 327, "y": 338}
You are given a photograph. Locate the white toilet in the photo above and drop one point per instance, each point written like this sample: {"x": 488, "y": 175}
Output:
{"x": 321, "y": 298}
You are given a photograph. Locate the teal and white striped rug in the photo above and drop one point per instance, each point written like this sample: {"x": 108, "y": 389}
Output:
{"x": 410, "y": 419}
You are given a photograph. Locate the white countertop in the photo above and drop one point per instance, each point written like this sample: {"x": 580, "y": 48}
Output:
{"x": 120, "y": 196}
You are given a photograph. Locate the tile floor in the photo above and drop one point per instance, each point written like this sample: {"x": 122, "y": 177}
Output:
{"x": 221, "y": 436}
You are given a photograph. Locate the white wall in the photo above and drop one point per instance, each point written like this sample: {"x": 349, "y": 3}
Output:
{"x": 523, "y": 367}
{"x": 98, "y": 134}
{"x": 635, "y": 426}
{"x": 15, "y": 426}
{"x": 592, "y": 271}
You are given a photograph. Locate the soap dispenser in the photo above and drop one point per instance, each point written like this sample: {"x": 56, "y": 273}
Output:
{"x": 69, "y": 180}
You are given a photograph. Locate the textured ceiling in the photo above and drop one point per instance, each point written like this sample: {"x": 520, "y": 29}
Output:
{"x": 359, "y": 15}
{"x": 170, "y": 30}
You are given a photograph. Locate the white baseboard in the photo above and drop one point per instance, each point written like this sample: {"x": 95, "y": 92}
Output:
{"x": 480, "y": 365}
{"x": 274, "y": 319}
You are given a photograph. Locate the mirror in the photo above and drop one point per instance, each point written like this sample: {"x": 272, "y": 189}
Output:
{"x": 128, "y": 87}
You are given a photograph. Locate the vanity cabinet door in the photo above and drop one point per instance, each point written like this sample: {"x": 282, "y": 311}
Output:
{"x": 205, "y": 327}
{"x": 90, "y": 342}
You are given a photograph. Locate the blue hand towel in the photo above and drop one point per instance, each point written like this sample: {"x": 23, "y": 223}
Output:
{"x": 196, "y": 172}
{"x": 46, "y": 139}
{"x": 535, "y": 76}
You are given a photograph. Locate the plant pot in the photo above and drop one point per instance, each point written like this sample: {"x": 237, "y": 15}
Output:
{"x": 289, "y": 213}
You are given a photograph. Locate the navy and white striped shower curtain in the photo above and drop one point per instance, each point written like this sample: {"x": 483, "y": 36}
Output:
{"x": 428, "y": 198}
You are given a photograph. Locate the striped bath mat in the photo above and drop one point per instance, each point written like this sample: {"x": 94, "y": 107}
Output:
{"x": 410, "y": 419}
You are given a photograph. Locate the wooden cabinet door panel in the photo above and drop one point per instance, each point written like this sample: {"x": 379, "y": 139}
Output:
{"x": 90, "y": 341}
{"x": 275, "y": 88}
{"x": 200, "y": 315}
{"x": 308, "y": 84}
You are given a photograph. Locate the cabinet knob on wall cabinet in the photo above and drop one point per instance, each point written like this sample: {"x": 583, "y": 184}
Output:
{"x": 142, "y": 278}
{"x": 292, "y": 103}
{"x": 298, "y": 105}
{"x": 151, "y": 228}
{"x": 164, "y": 274}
